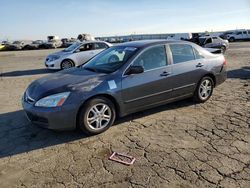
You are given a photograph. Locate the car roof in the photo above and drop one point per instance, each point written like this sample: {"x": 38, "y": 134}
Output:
{"x": 90, "y": 41}
{"x": 93, "y": 41}
{"x": 146, "y": 43}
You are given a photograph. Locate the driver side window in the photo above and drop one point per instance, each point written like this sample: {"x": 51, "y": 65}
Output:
{"x": 86, "y": 47}
{"x": 152, "y": 58}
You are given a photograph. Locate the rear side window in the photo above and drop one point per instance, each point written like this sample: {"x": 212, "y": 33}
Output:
{"x": 100, "y": 46}
{"x": 182, "y": 53}
{"x": 197, "y": 54}
{"x": 152, "y": 58}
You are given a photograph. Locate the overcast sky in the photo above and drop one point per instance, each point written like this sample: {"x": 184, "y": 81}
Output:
{"x": 36, "y": 19}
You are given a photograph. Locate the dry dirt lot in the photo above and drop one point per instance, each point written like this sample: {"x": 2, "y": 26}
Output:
{"x": 177, "y": 145}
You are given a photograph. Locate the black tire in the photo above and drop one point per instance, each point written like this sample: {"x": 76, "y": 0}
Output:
{"x": 67, "y": 63}
{"x": 231, "y": 39}
{"x": 86, "y": 111}
{"x": 198, "y": 96}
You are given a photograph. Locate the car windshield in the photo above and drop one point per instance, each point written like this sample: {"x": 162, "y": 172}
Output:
{"x": 110, "y": 60}
{"x": 72, "y": 47}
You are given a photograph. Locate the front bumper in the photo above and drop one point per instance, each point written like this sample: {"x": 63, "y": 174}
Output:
{"x": 54, "y": 65}
{"x": 56, "y": 118}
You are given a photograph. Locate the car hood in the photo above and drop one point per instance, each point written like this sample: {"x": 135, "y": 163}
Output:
{"x": 67, "y": 80}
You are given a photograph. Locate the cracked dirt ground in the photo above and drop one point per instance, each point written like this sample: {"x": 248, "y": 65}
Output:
{"x": 177, "y": 145}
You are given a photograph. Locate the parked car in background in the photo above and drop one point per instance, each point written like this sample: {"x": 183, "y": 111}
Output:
{"x": 2, "y": 47}
{"x": 17, "y": 45}
{"x": 76, "y": 54}
{"x": 239, "y": 35}
{"x": 214, "y": 42}
{"x": 121, "y": 80}
{"x": 34, "y": 45}
{"x": 85, "y": 37}
{"x": 66, "y": 42}
{"x": 52, "y": 42}
{"x": 225, "y": 34}
{"x": 5, "y": 42}
{"x": 180, "y": 36}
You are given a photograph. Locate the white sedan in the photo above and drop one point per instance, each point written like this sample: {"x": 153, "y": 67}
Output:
{"x": 76, "y": 54}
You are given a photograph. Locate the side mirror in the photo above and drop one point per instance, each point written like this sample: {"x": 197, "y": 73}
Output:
{"x": 134, "y": 70}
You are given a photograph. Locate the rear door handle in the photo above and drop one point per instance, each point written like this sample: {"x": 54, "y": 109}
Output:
{"x": 165, "y": 73}
{"x": 199, "y": 65}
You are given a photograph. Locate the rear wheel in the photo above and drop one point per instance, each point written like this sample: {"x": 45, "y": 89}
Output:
{"x": 66, "y": 64}
{"x": 97, "y": 115}
{"x": 204, "y": 89}
{"x": 231, "y": 39}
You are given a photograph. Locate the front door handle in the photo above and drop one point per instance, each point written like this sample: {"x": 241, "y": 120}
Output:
{"x": 199, "y": 65}
{"x": 165, "y": 73}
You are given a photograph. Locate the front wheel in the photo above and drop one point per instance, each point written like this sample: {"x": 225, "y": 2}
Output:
{"x": 97, "y": 115}
{"x": 66, "y": 64}
{"x": 204, "y": 89}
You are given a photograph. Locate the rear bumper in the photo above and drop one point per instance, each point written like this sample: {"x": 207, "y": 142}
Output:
{"x": 221, "y": 77}
{"x": 57, "y": 118}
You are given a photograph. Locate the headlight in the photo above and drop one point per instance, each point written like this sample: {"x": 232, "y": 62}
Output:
{"x": 53, "y": 100}
{"x": 53, "y": 58}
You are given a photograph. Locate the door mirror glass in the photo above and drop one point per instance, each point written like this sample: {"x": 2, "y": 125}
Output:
{"x": 135, "y": 69}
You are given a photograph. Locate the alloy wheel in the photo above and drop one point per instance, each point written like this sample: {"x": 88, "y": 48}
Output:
{"x": 67, "y": 64}
{"x": 205, "y": 89}
{"x": 99, "y": 116}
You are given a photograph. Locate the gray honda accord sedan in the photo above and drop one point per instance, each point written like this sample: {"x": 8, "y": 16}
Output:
{"x": 121, "y": 80}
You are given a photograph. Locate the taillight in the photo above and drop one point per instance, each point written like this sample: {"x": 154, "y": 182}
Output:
{"x": 225, "y": 62}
